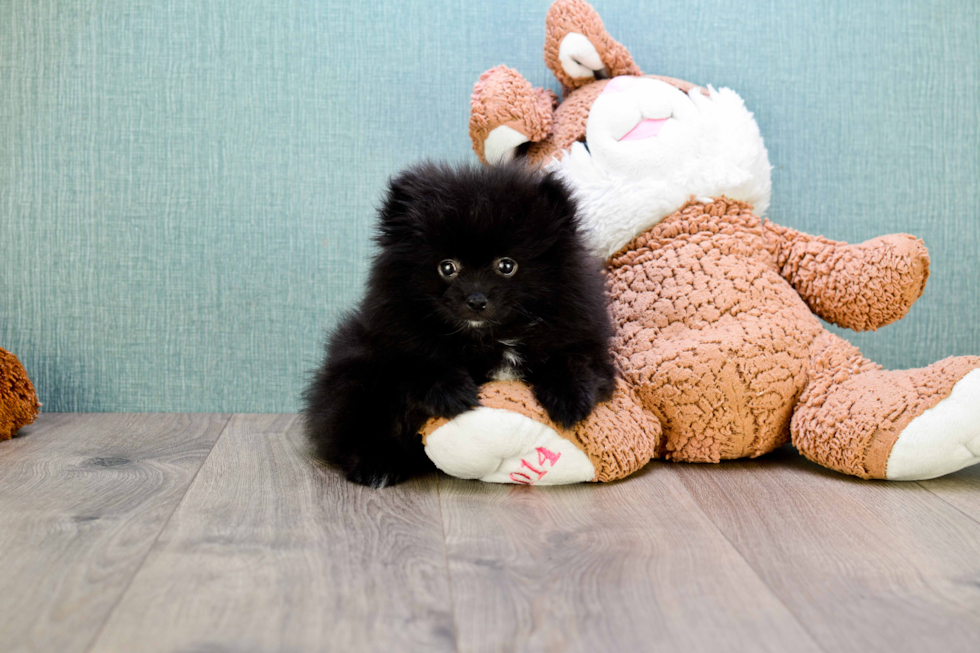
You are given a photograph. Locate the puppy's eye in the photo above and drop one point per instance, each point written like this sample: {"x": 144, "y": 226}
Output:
{"x": 506, "y": 267}
{"x": 448, "y": 269}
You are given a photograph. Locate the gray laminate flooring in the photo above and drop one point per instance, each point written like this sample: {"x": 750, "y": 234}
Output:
{"x": 210, "y": 533}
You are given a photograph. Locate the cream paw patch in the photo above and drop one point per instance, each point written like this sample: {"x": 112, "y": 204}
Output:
{"x": 943, "y": 439}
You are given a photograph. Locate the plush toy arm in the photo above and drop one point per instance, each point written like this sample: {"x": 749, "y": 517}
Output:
{"x": 860, "y": 287}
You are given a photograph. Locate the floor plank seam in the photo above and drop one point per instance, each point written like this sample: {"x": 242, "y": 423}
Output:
{"x": 149, "y": 550}
{"x": 951, "y": 505}
{"x": 755, "y": 571}
{"x": 445, "y": 557}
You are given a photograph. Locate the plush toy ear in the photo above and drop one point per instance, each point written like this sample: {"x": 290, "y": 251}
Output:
{"x": 506, "y": 112}
{"x": 579, "y": 50}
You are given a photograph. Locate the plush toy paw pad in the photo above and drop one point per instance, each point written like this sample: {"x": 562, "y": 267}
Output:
{"x": 943, "y": 439}
{"x": 500, "y": 446}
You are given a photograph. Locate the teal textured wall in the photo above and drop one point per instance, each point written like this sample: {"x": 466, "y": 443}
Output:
{"x": 187, "y": 188}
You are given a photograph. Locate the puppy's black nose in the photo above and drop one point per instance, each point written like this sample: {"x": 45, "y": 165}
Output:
{"x": 477, "y": 301}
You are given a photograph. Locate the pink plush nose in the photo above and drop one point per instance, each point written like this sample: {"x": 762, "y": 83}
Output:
{"x": 646, "y": 129}
{"x": 619, "y": 84}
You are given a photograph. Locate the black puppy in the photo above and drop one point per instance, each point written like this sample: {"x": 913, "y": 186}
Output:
{"x": 482, "y": 274}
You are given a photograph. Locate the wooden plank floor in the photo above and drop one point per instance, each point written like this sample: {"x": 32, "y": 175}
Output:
{"x": 215, "y": 533}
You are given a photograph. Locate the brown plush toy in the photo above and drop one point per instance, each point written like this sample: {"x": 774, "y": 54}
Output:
{"x": 718, "y": 343}
{"x": 18, "y": 402}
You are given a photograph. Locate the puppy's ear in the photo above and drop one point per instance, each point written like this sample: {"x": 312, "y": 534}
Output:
{"x": 552, "y": 217}
{"x": 557, "y": 196}
{"x": 398, "y": 213}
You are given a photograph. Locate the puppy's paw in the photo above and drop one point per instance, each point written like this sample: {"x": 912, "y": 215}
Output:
{"x": 605, "y": 385}
{"x": 374, "y": 477}
{"x": 567, "y": 403}
{"x": 385, "y": 466}
{"x": 452, "y": 396}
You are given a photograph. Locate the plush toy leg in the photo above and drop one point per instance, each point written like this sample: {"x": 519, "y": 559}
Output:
{"x": 509, "y": 439}
{"x": 943, "y": 439}
{"x": 858, "y": 419}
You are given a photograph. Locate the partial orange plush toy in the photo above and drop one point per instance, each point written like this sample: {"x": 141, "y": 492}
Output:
{"x": 18, "y": 401}
{"x": 718, "y": 343}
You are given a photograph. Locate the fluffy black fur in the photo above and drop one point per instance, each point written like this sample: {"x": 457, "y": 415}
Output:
{"x": 413, "y": 349}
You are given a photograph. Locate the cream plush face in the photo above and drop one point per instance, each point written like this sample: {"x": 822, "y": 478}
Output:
{"x": 649, "y": 147}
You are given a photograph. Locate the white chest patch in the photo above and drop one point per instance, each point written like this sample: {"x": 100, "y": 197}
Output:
{"x": 509, "y": 369}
